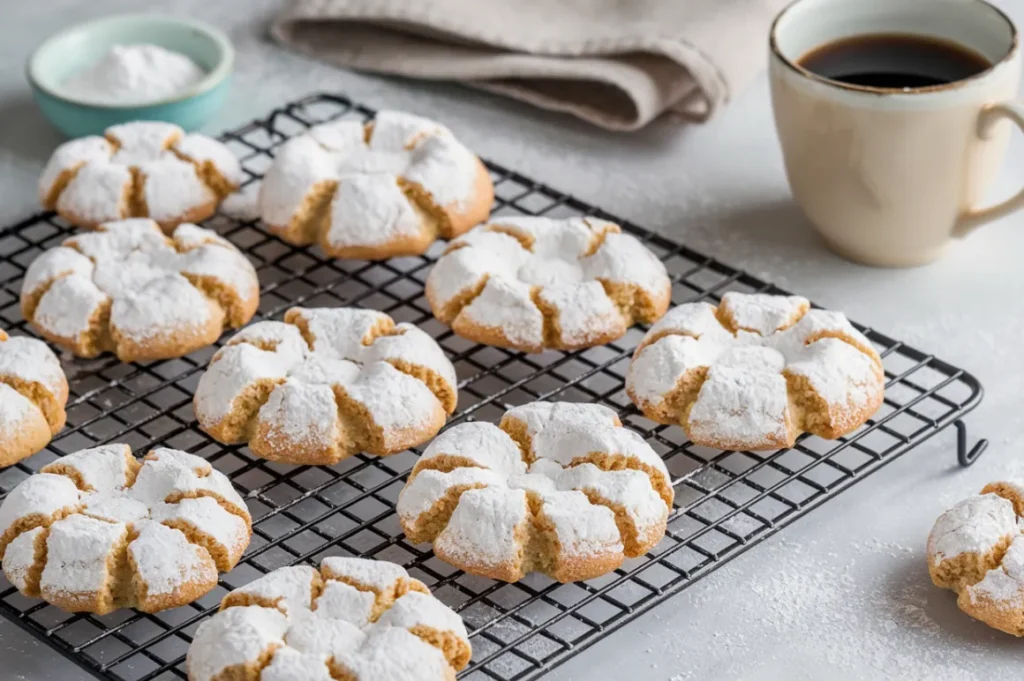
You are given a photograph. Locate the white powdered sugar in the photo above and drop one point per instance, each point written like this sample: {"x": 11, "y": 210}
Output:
{"x": 516, "y": 259}
{"x": 134, "y": 266}
{"x": 303, "y": 636}
{"x": 244, "y": 203}
{"x": 975, "y": 525}
{"x": 145, "y": 512}
{"x": 20, "y": 557}
{"x": 30, "y": 363}
{"x": 149, "y": 553}
{"x": 170, "y": 186}
{"x": 15, "y": 412}
{"x": 744, "y": 401}
{"x": 489, "y": 481}
{"x": 344, "y": 602}
{"x": 134, "y": 74}
{"x": 1005, "y": 583}
{"x": 369, "y": 169}
{"x": 168, "y": 163}
{"x": 482, "y": 529}
{"x": 354, "y": 357}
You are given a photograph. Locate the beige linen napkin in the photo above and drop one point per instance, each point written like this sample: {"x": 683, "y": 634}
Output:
{"x": 615, "y": 63}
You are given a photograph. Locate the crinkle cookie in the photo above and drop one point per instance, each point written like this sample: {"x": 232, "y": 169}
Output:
{"x": 128, "y": 289}
{"x": 325, "y": 384}
{"x": 537, "y": 283}
{"x": 99, "y": 530}
{"x": 33, "y": 392}
{"x": 375, "y": 191}
{"x": 755, "y": 372}
{"x": 977, "y": 550}
{"x": 143, "y": 169}
{"x": 558, "y": 488}
{"x": 353, "y": 619}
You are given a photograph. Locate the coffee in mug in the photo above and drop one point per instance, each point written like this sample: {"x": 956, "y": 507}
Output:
{"x": 894, "y": 117}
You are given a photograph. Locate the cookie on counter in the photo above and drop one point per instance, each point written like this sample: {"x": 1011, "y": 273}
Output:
{"x": 99, "y": 530}
{"x": 325, "y": 384}
{"x": 142, "y": 169}
{"x": 976, "y": 549}
{"x": 33, "y": 394}
{"x": 755, "y": 372}
{"x": 558, "y": 488}
{"x": 533, "y": 283}
{"x": 386, "y": 188}
{"x": 127, "y": 288}
{"x": 353, "y": 618}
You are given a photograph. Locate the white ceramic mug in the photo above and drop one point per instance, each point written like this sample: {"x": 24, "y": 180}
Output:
{"x": 890, "y": 177}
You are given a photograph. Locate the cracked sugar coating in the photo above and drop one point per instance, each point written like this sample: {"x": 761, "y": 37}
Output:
{"x": 99, "y": 530}
{"x": 558, "y": 488}
{"x": 128, "y": 289}
{"x": 532, "y": 283}
{"x": 976, "y": 549}
{"x": 382, "y": 189}
{"x": 33, "y": 393}
{"x": 354, "y": 619}
{"x": 325, "y": 384}
{"x": 755, "y": 372}
{"x": 142, "y": 169}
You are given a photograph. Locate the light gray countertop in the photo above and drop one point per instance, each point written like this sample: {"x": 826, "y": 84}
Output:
{"x": 841, "y": 594}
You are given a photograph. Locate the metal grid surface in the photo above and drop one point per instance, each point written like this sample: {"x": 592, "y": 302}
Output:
{"x": 725, "y": 501}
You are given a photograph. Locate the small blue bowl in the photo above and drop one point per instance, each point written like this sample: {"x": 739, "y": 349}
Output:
{"x": 81, "y": 46}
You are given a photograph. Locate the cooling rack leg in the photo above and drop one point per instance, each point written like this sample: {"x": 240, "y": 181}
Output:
{"x": 965, "y": 457}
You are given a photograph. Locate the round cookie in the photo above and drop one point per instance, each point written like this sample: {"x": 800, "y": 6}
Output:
{"x": 33, "y": 393}
{"x": 98, "y": 530}
{"x": 755, "y": 372}
{"x": 354, "y": 619}
{"x": 142, "y": 169}
{"x": 976, "y": 549}
{"x": 536, "y": 283}
{"x": 558, "y": 488}
{"x": 386, "y": 188}
{"x": 325, "y": 384}
{"x": 128, "y": 289}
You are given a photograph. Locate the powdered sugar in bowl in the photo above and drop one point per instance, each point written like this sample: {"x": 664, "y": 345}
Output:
{"x": 81, "y": 55}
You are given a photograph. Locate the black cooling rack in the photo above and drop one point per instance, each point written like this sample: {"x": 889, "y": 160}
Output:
{"x": 726, "y": 502}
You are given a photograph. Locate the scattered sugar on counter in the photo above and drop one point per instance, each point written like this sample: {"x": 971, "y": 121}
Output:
{"x": 134, "y": 74}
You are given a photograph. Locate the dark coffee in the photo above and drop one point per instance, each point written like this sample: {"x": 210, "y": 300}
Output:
{"x": 894, "y": 61}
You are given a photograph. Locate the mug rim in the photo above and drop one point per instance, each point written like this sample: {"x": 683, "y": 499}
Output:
{"x": 873, "y": 89}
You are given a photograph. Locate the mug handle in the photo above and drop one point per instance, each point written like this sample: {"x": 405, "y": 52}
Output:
{"x": 989, "y": 116}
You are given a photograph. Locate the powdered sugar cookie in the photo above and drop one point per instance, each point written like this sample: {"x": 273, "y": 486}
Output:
{"x": 99, "y": 530}
{"x": 977, "y": 550}
{"x": 140, "y": 169}
{"x": 33, "y": 392}
{"x": 535, "y": 283}
{"x": 353, "y": 619}
{"x": 558, "y": 488}
{"x": 128, "y": 289}
{"x": 325, "y": 384}
{"x": 375, "y": 191}
{"x": 755, "y": 372}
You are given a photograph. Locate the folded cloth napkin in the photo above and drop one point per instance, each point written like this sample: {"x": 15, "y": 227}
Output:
{"x": 615, "y": 63}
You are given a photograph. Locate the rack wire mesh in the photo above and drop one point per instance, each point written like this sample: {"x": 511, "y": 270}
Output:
{"x": 726, "y": 502}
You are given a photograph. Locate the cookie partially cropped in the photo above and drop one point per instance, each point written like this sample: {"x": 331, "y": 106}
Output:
{"x": 976, "y": 549}
{"x": 33, "y": 393}
{"x": 142, "y": 169}
{"x": 558, "y": 488}
{"x": 386, "y": 188}
{"x": 353, "y": 619}
{"x": 755, "y": 372}
{"x": 99, "y": 530}
{"x": 536, "y": 283}
{"x": 325, "y": 384}
{"x": 127, "y": 288}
